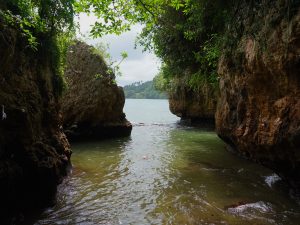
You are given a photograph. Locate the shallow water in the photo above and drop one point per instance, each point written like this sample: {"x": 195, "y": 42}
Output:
{"x": 166, "y": 173}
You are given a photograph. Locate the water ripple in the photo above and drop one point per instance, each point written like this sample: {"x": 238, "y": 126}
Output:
{"x": 167, "y": 173}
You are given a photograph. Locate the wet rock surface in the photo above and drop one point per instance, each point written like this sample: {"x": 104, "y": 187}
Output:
{"x": 34, "y": 152}
{"x": 258, "y": 112}
{"x": 93, "y": 104}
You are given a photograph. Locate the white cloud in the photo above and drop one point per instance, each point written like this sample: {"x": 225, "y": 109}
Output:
{"x": 142, "y": 69}
{"x": 138, "y": 66}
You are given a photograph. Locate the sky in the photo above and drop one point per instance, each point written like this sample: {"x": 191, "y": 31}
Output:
{"x": 139, "y": 66}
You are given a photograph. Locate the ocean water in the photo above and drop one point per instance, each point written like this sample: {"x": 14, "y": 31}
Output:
{"x": 167, "y": 173}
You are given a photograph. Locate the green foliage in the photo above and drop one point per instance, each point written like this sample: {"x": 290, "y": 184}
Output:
{"x": 185, "y": 34}
{"x": 116, "y": 65}
{"x": 23, "y": 24}
{"x": 207, "y": 58}
{"x": 113, "y": 67}
{"x": 48, "y": 27}
{"x": 143, "y": 90}
{"x": 124, "y": 55}
{"x": 115, "y": 16}
{"x": 39, "y": 16}
{"x": 98, "y": 76}
{"x": 101, "y": 50}
{"x": 161, "y": 83}
{"x": 57, "y": 50}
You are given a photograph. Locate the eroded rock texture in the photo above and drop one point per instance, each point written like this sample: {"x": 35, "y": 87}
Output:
{"x": 34, "y": 152}
{"x": 197, "y": 107}
{"x": 258, "y": 112}
{"x": 93, "y": 104}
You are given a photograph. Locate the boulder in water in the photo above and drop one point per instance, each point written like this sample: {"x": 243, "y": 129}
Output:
{"x": 93, "y": 104}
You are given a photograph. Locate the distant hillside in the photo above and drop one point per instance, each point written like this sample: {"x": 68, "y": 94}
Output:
{"x": 143, "y": 90}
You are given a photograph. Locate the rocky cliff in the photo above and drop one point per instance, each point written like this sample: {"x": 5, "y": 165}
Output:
{"x": 258, "y": 112}
{"x": 93, "y": 104}
{"x": 34, "y": 153}
{"x": 198, "y": 107}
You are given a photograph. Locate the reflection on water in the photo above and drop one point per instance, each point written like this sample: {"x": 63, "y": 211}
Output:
{"x": 167, "y": 174}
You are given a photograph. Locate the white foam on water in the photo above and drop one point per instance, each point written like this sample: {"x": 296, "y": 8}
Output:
{"x": 272, "y": 179}
{"x": 259, "y": 206}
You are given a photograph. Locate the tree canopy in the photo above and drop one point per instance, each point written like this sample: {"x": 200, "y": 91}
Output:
{"x": 185, "y": 34}
{"x": 143, "y": 90}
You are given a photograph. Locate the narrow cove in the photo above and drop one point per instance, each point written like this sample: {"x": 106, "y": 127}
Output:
{"x": 167, "y": 173}
{"x": 71, "y": 154}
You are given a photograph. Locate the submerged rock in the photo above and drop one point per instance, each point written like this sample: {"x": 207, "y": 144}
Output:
{"x": 34, "y": 152}
{"x": 258, "y": 112}
{"x": 93, "y": 104}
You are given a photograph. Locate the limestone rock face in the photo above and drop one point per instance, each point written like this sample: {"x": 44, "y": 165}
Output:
{"x": 34, "y": 152}
{"x": 199, "y": 108}
{"x": 93, "y": 104}
{"x": 258, "y": 112}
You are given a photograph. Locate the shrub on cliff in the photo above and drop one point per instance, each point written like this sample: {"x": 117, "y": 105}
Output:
{"x": 47, "y": 27}
{"x": 187, "y": 39}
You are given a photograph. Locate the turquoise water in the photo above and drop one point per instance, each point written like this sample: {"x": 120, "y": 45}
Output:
{"x": 167, "y": 173}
